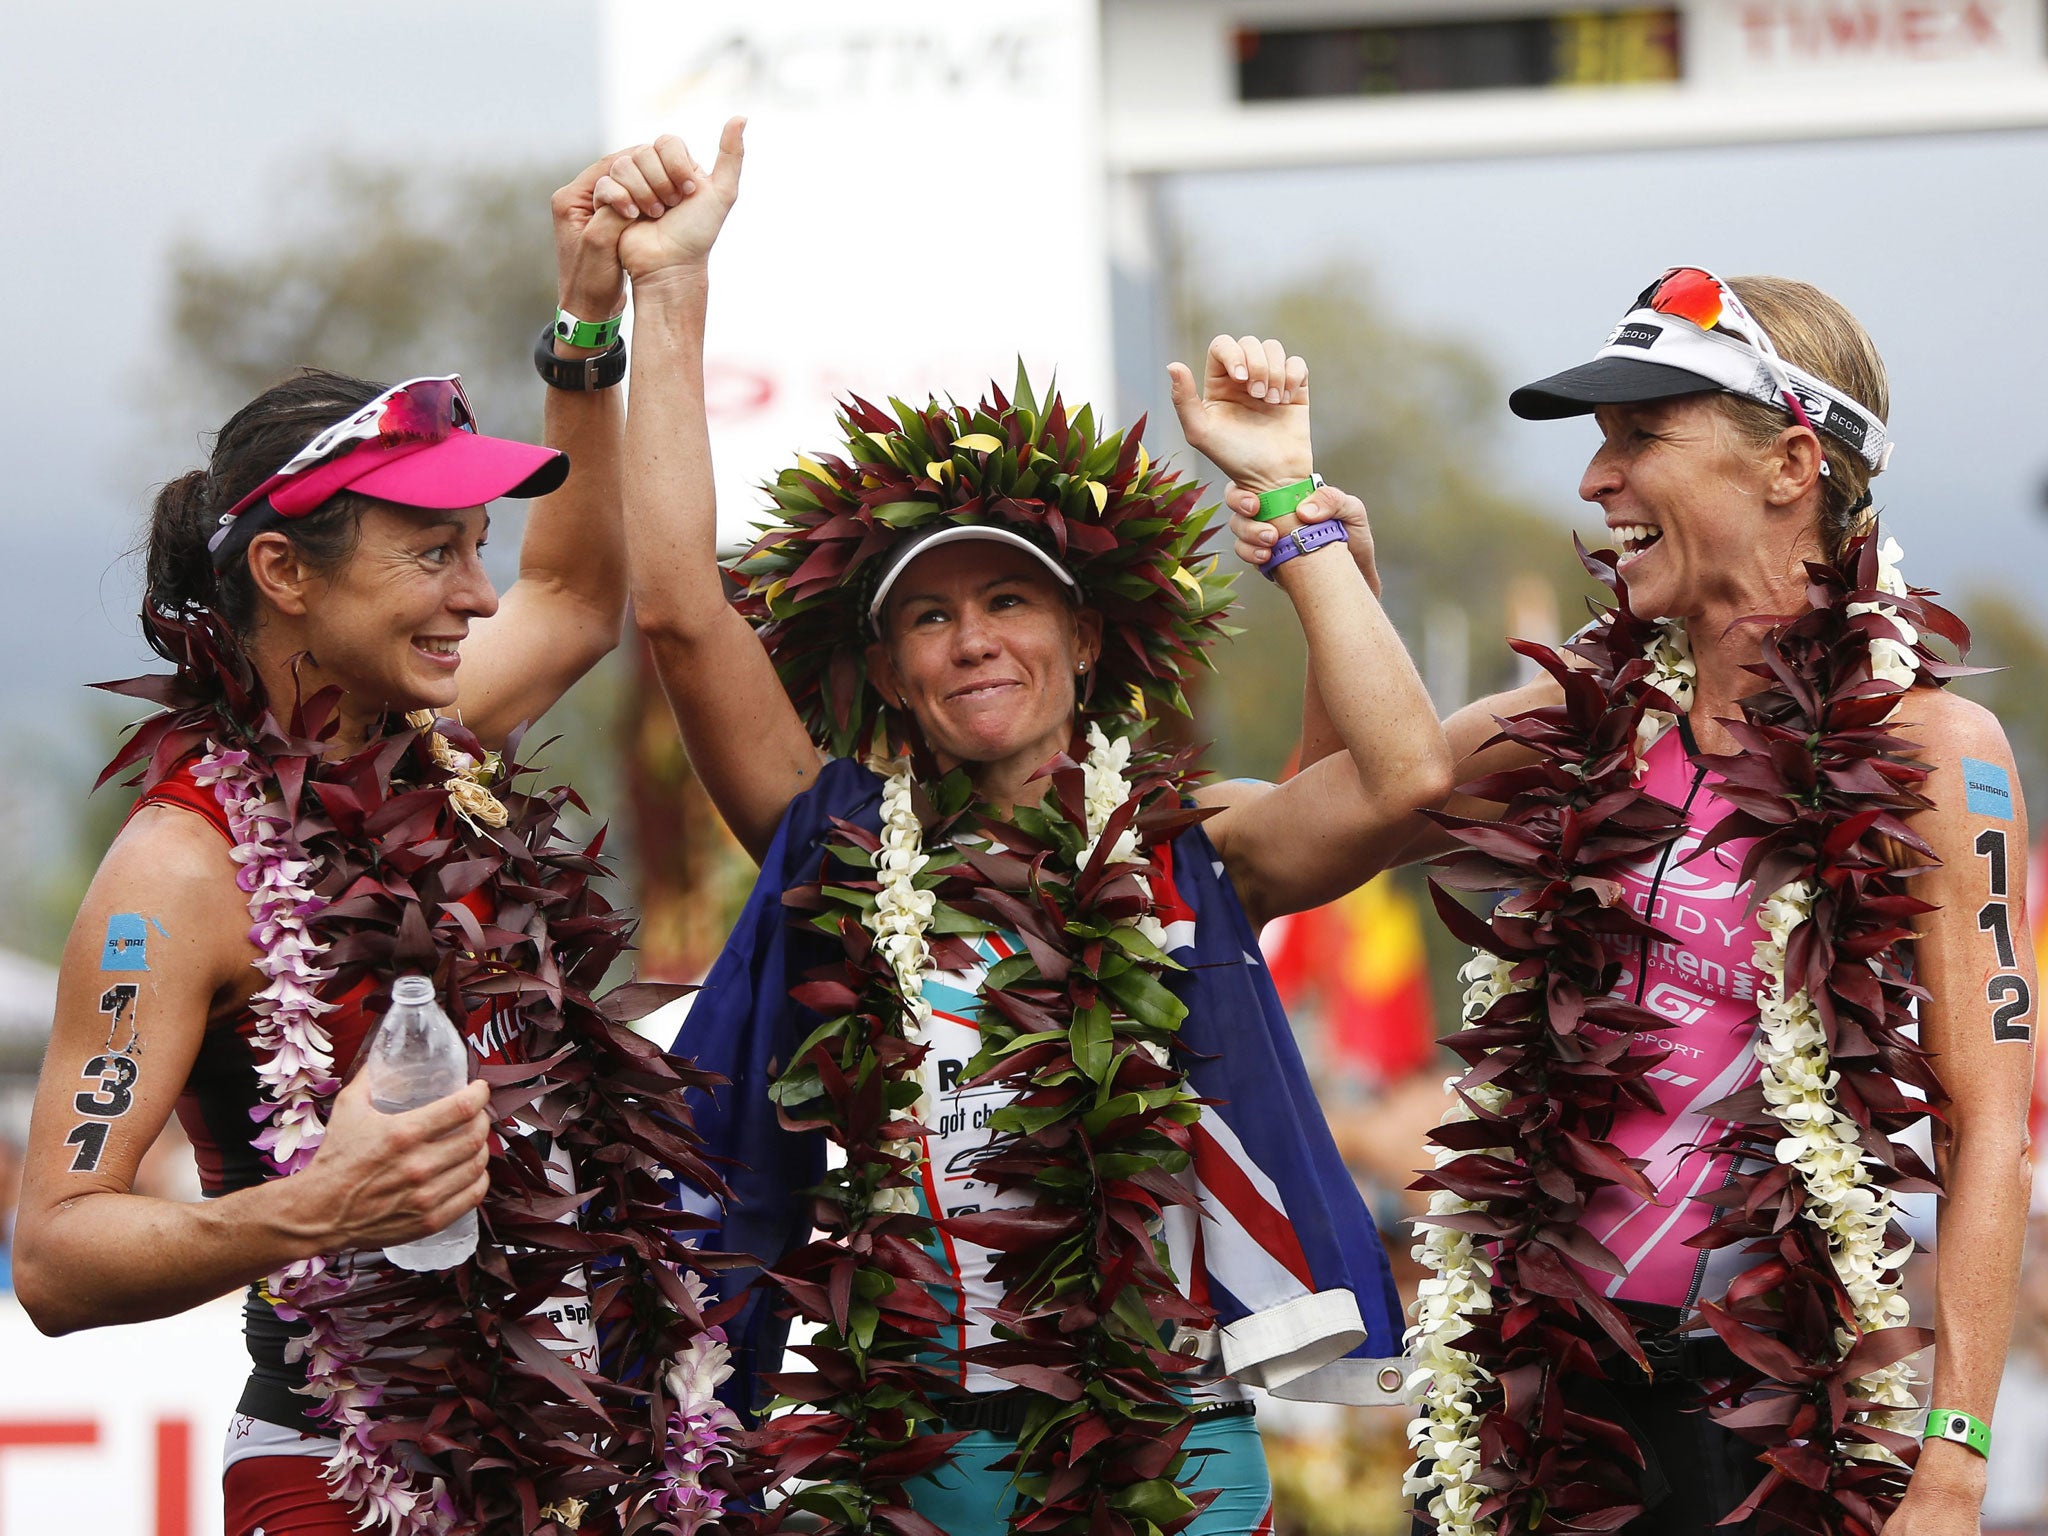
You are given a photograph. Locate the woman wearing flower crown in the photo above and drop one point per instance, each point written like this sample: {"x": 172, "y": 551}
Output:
{"x": 325, "y": 805}
{"x": 1741, "y": 839}
{"x": 1002, "y": 954}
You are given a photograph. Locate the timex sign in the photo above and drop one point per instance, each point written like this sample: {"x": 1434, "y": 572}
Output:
{"x": 1850, "y": 33}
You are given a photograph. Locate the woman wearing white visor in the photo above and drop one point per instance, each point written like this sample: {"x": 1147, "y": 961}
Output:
{"x": 1002, "y": 951}
{"x": 1742, "y": 838}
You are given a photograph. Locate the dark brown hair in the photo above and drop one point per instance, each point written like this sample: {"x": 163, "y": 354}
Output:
{"x": 1816, "y": 332}
{"x": 256, "y": 440}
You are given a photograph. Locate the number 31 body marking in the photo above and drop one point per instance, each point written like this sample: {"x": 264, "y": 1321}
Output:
{"x": 114, "y": 1094}
{"x": 112, "y": 1098}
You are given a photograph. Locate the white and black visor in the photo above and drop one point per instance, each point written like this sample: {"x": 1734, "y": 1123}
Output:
{"x": 1653, "y": 355}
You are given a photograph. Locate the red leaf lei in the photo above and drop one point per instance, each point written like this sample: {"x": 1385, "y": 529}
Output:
{"x": 1825, "y": 785}
{"x": 473, "y": 1424}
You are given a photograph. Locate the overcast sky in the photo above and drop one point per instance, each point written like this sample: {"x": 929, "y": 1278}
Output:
{"x": 125, "y": 126}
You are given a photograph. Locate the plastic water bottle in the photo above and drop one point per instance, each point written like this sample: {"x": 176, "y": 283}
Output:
{"x": 416, "y": 1057}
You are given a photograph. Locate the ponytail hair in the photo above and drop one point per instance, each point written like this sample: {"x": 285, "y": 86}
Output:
{"x": 1815, "y": 331}
{"x": 180, "y": 583}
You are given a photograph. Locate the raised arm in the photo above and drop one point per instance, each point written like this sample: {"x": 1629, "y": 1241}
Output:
{"x": 745, "y": 740}
{"x": 159, "y": 949}
{"x": 564, "y": 613}
{"x": 1335, "y": 825}
{"x": 1976, "y": 960}
{"x": 1338, "y": 822}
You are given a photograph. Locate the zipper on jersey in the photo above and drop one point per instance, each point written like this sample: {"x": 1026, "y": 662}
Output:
{"x": 1699, "y": 778}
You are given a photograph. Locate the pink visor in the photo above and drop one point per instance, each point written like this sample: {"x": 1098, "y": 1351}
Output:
{"x": 415, "y": 445}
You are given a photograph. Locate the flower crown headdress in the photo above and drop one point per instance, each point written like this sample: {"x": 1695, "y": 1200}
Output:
{"x": 1126, "y": 528}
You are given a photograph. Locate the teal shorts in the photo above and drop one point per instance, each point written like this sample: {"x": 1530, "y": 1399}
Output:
{"x": 969, "y": 1499}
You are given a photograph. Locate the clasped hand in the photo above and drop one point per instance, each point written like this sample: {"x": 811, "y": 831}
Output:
{"x": 641, "y": 211}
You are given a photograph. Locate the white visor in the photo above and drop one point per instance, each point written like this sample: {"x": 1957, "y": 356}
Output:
{"x": 1651, "y": 355}
{"x": 898, "y": 559}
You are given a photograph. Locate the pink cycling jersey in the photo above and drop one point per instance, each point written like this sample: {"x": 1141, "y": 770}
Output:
{"x": 1704, "y": 982}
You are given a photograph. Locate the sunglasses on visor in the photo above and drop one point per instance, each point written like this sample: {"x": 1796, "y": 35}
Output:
{"x": 1695, "y": 294}
{"x": 412, "y": 415}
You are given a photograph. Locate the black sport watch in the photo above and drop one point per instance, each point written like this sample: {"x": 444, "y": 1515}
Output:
{"x": 599, "y": 372}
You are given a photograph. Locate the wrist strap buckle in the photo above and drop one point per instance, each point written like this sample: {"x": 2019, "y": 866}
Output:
{"x": 1278, "y": 503}
{"x": 1309, "y": 537}
{"x": 1962, "y": 1427}
{"x": 586, "y": 333}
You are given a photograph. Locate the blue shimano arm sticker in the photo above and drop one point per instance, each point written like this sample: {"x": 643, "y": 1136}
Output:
{"x": 1988, "y": 789}
{"x": 127, "y": 945}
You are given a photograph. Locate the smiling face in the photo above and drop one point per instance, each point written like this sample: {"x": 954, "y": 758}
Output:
{"x": 387, "y": 623}
{"x": 982, "y": 645}
{"x": 1697, "y": 513}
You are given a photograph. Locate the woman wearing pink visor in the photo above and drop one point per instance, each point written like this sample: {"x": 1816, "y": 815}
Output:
{"x": 328, "y": 804}
{"x": 1742, "y": 838}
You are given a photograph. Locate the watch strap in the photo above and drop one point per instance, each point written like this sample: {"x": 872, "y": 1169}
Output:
{"x": 579, "y": 373}
{"x": 1301, "y": 541}
{"x": 1959, "y": 1426}
{"x": 586, "y": 333}
{"x": 1278, "y": 503}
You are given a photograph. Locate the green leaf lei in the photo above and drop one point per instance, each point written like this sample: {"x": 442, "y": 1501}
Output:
{"x": 1079, "y": 1028}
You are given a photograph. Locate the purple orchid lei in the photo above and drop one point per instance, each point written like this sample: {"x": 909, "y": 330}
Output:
{"x": 296, "y": 1070}
{"x": 460, "y": 1407}
{"x": 698, "y": 1427}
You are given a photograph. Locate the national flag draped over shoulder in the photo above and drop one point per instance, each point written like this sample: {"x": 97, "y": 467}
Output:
{"x": 1285, "y": 1252}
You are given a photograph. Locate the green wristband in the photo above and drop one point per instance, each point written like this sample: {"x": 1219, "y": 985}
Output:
{"x": 586, "y": 333}
{"x": 1279, "y": 503}
{"x": 1963, "y": 1428}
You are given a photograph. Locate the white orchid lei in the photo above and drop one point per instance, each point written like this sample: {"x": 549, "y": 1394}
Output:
{"x": 1445, "y": 1434}
{"x": 1820, "y": 1143}
{"x": 905, "y": 918}
{"x": 901, "y": 919}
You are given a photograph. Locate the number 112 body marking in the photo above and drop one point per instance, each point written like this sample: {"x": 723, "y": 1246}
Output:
{"x": 2012, "y": 999}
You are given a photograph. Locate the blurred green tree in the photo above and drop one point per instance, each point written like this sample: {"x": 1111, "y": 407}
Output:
{"x": 377, "y": 272}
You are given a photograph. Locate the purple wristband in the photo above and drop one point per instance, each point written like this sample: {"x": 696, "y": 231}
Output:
{"x": 1308, "y": 537}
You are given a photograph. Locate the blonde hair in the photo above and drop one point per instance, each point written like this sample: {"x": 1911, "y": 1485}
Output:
{"x": 1817, "y": 332}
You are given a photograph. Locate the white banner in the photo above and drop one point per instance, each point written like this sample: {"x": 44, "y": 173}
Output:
{"x": 117, "y": 1431}
{"x": 923, "y": 203}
